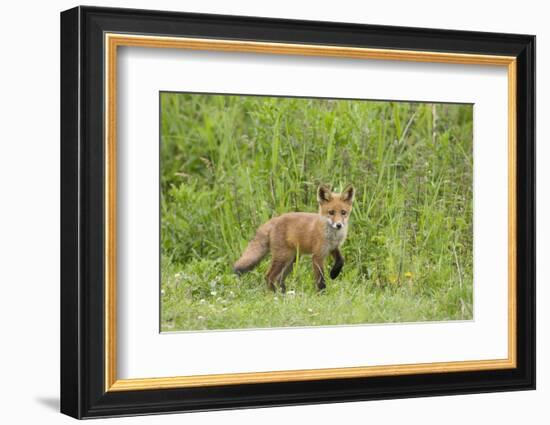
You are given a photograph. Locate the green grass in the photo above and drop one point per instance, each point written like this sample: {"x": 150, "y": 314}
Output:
{"x": 229, "y": 163}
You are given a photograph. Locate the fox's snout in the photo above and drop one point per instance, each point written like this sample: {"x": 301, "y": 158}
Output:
{"x": 335, "y": 224}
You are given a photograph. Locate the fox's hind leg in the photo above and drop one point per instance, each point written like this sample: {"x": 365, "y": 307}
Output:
{"x": 286, "y": 271}
{"x": 273, "y": 270}
{"x": 279, "y": 270}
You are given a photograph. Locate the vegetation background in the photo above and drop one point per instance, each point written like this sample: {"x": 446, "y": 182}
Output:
{"x": 229, "y": 163}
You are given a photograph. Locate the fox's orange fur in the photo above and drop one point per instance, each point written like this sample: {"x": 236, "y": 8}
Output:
{"x": 319, "y": 234}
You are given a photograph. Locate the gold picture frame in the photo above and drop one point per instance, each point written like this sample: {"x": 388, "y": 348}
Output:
{"x": 114, "y": 41}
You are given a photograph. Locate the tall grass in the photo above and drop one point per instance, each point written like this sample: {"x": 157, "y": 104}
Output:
{"x": 229, "y": 163}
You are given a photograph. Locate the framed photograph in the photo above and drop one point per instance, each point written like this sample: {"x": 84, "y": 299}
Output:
{"x": 261, "y": 212}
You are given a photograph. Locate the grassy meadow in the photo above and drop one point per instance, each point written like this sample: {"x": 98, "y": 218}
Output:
{"x": 230, "y": 163}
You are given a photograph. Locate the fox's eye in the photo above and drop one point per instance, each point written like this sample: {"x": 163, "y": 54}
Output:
{"x": 331, "y": 212}
{"x": 344, "y": 212}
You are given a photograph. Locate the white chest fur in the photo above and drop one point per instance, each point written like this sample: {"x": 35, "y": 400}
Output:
{"x": 335, "y": 237}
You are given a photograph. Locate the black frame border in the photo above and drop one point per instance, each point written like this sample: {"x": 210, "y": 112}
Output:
{"x": 82, "y": 212}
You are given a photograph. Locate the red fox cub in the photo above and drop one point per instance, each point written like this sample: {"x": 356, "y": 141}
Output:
{"x": 317, "y": 234}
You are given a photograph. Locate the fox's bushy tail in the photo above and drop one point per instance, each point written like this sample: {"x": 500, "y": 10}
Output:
{"x": 256, "y": 250}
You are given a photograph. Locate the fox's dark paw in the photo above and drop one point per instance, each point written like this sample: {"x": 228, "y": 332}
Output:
{"x": 335, "y": 272}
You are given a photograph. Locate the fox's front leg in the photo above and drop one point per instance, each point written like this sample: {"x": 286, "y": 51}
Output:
{"x": 338, "y": 263}
{"x": 318, "y": 272}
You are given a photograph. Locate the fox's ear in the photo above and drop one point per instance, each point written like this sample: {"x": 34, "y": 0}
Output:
{"x": 347, "y": 194}
{"x": 324, "y": 194}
